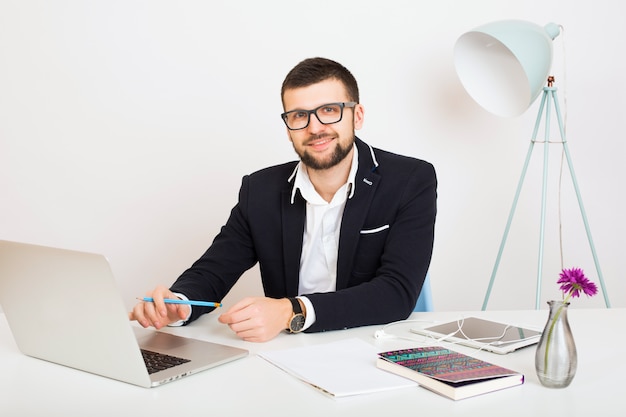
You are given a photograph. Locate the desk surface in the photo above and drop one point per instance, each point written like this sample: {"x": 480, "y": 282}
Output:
{"x": 252, "y": 386}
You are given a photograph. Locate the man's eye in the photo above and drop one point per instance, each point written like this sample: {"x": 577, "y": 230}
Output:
{"x": 330, "y": 109}
{"x": 299, "y": 115}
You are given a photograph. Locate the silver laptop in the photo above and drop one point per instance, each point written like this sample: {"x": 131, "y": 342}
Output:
{"x": 483, "y": 334}
{"x": 63, "y": 306}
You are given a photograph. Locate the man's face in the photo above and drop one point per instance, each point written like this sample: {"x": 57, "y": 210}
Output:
{"x": 322, "y": 146}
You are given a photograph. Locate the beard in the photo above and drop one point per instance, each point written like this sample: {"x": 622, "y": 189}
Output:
{"x": 338, "y": 155}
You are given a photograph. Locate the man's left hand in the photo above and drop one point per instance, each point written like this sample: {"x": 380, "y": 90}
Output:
{"x": 258, "y": 319}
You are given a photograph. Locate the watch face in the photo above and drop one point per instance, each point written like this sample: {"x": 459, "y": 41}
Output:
{"x": 297, "y": 323}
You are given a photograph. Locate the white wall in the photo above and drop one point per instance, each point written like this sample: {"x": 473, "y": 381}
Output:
{"x": 126, "y": 126}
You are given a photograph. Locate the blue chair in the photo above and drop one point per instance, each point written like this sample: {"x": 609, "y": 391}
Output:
{"x": 425, "y": 299}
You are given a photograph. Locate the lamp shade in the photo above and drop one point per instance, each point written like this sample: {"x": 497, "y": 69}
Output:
{"x": 504, "y": 65}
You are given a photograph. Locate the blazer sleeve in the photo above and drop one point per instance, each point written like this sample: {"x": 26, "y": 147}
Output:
{"x": 218, "y": 269}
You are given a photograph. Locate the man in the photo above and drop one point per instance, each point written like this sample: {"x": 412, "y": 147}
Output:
{"x": 348, "y": 229}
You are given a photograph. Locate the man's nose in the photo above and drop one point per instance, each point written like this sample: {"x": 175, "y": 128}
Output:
{"x": 314, "y": 124}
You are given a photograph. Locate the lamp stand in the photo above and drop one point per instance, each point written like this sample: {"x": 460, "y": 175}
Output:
{"x": 549, "y": 96}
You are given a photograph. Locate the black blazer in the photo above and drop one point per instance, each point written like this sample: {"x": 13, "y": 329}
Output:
{"x": 385, "y": 243}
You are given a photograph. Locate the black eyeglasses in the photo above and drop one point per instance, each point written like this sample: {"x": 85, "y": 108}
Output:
{"x": 326, "y": 113}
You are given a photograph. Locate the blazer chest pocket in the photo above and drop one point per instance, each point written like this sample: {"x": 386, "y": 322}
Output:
{"x": 369, "y": 250}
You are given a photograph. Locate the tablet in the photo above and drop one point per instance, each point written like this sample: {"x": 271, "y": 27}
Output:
{"x": 484, "y": 334}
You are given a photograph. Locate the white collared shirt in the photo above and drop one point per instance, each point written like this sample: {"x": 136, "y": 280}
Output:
{"x": 320, "y": 241}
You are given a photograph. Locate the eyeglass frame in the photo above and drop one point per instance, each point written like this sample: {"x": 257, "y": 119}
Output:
{"x": 342, "y": 104}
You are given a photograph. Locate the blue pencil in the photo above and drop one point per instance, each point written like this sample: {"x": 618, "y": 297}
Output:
{"x": 187, "y": 302}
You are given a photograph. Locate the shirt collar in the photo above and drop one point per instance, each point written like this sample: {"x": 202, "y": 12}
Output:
{"x": 302, "y": 179}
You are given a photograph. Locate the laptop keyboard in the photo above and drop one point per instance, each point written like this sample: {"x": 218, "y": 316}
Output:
{"x": 156, "y": 362}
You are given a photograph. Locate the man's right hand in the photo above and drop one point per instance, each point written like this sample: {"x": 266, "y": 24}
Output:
{"x": 157, "y": 313}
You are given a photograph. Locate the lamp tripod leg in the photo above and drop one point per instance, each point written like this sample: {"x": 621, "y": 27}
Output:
{"x": 570, "y": 165}
{"x": 586, "y": 223}
{"x": 544, "y": 194}
{"x": 544, "y": 99}
{"x": 508, "y": 224}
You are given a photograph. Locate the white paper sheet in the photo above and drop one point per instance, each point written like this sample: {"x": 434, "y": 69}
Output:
{"x": 342, "y": 368}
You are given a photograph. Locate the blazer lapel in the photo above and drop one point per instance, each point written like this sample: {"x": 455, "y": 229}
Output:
{"x": 293, "y": 218}
{"x": 354, "y": 215}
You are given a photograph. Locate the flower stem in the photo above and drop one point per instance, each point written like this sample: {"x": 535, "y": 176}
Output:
{"x": 554, "y": 320}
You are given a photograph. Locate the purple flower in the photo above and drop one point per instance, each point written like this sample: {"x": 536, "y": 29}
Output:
{"x": 573, "y": 281}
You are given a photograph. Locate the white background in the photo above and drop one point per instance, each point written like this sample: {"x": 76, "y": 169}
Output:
{"x": 126, "y": 126}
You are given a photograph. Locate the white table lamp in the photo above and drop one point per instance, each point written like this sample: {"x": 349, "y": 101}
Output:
{"x": 504, "y": 66}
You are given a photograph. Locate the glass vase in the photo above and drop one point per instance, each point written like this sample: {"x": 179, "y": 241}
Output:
{"x": 556, "y": 358}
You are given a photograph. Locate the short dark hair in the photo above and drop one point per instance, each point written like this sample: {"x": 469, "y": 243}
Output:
{"x": 315, "y": 70}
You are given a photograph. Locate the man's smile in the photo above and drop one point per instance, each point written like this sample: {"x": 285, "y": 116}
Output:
{"x": 320, "y": 143}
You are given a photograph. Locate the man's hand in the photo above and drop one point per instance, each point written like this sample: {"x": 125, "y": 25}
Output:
{"x": 258, "y": 319}
{"x": 157, "y": 313}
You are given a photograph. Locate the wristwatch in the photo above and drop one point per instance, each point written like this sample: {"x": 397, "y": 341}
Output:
{"x": 296, "y": 323}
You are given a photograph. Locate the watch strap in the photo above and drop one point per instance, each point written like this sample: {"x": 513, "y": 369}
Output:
{"x": 297, "y": 309}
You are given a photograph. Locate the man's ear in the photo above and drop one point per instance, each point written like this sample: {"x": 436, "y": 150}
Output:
{"x": 359, "y": 113}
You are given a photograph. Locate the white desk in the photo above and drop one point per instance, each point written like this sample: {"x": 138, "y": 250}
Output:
{"x": 253, "y": 387}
